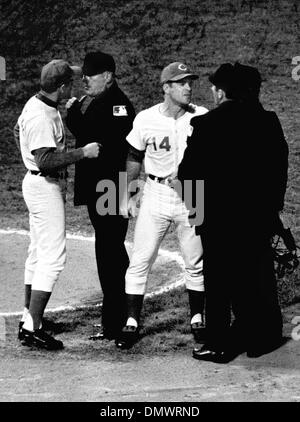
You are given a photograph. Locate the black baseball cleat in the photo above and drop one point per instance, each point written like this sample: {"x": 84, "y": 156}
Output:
{"x": 40, "y": 339}
{"x": 198, "y": 331}
{"x": 20, "y": 331}
{"x": 128, "y": 337}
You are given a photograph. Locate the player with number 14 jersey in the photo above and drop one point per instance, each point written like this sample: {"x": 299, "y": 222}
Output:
{"x": 159, "y": 136}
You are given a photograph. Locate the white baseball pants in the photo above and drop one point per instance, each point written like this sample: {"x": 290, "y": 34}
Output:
{"x": 160, "y": 206}
{"x": 47, "y": 249}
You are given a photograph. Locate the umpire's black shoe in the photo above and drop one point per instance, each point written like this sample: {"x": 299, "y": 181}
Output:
{"x": 129, "y": 335}
{"x": 198, "y": 331}
{"x": 103, "y": 334}
{"x": 216, "y": 356}
{"x": 40, "y": 339}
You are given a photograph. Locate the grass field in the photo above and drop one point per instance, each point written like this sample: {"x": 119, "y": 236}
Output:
{"x": 145, "y": 36}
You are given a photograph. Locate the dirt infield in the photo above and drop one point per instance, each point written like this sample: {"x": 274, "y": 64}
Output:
{"x": 28, "y": 376}
{"x": 78, "y": 283}
{"x": 103, "y": 374}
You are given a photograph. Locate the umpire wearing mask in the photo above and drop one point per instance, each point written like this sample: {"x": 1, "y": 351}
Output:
{"x": 104, "y": 114}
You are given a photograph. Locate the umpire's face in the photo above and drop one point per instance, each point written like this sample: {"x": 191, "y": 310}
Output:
{"x": 180, "y": 92}
{"x": 96, "y": 84}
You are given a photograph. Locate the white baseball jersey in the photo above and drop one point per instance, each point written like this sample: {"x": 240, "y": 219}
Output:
{"x": 40, "y": 127}
{"x": 163, "y": 138}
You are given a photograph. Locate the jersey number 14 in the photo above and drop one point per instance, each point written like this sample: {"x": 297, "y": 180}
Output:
{"x": 165, "y": 144}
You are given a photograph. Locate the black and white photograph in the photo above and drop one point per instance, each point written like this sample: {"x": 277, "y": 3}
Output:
{"x": 149, "y": 205}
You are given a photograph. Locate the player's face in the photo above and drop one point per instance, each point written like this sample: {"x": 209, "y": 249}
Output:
{"x": 180, "y": 92}
{"x": 96, "y": 84}
{"x": 66, "y": 90}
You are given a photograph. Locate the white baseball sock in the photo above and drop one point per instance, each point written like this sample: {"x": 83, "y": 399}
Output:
{"x": 196, "y": 318}
{"x": 25, "y": 313}
{"x": 28, "y": 324}
{"x": 132, "y": 321}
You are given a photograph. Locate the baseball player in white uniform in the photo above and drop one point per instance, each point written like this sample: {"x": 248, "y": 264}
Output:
{"x": 159, "y": 135}
{"x": 42, "y": 144}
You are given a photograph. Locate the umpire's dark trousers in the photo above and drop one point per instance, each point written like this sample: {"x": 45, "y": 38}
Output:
{"x": 112, "y": 263}
{"x": 241, "y": 277}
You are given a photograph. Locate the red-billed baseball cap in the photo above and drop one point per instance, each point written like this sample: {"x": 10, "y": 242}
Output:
{"x": 56, "y": 73}
{"x": 176, "y": 71}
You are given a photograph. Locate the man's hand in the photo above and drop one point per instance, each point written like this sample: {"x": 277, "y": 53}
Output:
{"x": 132, "y": 207}
{"x": 91, "y": 150}
{"x": 176, "y": 185}
{"x": 70, "y": 102}
{"x": 129, "y": 209}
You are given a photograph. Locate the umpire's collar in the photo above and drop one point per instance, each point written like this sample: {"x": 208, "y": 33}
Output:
{"x": 46, "y": 100}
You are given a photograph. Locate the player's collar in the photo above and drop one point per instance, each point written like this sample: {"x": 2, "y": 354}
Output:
{"x": 46, "y": 100}
{"x": 163, "y": 112}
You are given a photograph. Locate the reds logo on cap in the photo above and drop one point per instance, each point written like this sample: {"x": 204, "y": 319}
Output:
{"x": 176, "y": 71}
{"x": 182, "y": 67}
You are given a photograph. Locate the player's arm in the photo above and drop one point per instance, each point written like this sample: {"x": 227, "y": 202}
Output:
{"x": 16, "y": 132}
{"x": 133, "y": 168}
{"x": 41, "y": 138}
{"x": 134, "y": 163}
{"x": 49, "y": 159}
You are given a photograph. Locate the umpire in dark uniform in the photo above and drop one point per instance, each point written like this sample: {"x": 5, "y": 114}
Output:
{"x": 240, "y": 152}
{"x": 105, "y": 114}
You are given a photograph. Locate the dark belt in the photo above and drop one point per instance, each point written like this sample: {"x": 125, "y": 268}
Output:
{"x": 159, "y": 179}
{"x": 40, "y": 173}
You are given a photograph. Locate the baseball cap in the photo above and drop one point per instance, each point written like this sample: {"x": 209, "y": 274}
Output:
{"x": 98, "y": 62}
{"x": 249, "y": 78}
{"x": 56, "y": 73}
{"x": 176, "y": 71}
{"x": 224, "y": 77}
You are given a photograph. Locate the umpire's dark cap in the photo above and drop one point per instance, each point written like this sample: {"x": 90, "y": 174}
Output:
{"x": 249, "y": 78}
{"x": 223, "y": 77}
{"x": 98, "y": 62}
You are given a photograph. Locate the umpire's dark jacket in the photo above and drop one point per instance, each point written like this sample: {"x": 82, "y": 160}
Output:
{"x": 107, "y": 119}
{"x": 240, "y": 152}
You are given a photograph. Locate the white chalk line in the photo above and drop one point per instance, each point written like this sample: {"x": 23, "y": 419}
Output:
{"x": 169, "y": 255}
